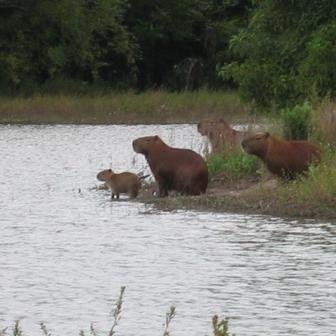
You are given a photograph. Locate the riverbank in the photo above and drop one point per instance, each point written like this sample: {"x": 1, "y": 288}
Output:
{"x": 253, "y": 195}
{"x": 245, "y": 202}
{"x": 150, "y": 107}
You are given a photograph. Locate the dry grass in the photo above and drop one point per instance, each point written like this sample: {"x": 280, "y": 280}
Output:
{"x": 324, "y": 121}
{"x": 122, "y": 107}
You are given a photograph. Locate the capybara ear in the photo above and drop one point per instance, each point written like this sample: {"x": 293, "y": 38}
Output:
{"x": 110, "y": 170}
{"x": 267, "y": 134}
{"x": 156, "y": 137}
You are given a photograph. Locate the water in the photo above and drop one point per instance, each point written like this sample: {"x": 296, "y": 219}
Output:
{"x": 65, "y": 249}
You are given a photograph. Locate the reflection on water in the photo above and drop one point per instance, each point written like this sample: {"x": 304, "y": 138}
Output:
{"x": 65, "y": 250}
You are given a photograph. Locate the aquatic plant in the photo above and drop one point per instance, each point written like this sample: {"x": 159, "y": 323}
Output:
{"x": 169, "y": 316}
{"x": 220, "y": 327}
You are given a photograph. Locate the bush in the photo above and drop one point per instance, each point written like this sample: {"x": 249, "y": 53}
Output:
{"x": 297, "y": 122}
{"x": 234, "y": 164}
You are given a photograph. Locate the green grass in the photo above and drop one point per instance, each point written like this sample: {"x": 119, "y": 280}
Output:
{"x": 121, "y": 107}
{"x": 233, "y": 164}
{"x": 317, "y": 189}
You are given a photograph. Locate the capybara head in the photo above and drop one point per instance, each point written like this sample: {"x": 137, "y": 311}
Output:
{"x": 256, "y": 144}
{"x": 144, "y": 144}
{"x": 212, "y": 125}
{"x": 105, "y": 175}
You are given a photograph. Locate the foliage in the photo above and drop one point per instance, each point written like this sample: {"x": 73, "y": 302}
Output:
{"x": 233, "y": 164}
{"x": 297, "y": 121}
{"x": 286, "y": 52}
{"x": 181, "y": 42}
{"x": 113, "y": 43}
{"x": 47, "y": 40}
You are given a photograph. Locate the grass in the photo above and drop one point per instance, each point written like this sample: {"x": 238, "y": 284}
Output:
{"x": 121, "y": 107}
{"x": 324, "y": 121}
{"x": 316, "y": 190}
{"x": 220, "y": 327}
{"x": 233, "y": 164}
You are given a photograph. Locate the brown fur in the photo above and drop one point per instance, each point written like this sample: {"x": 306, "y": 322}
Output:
{"x": 220, "y": 134}
{"x": 283, "y": 158}
{"x": 125, "y": 182}
{"x": 177, "y": 169}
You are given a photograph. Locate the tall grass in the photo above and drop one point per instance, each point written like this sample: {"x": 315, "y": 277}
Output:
{"x": 324, "y": 121}
{"x": 317, "y": 189}
{"x": 121, "y": 107}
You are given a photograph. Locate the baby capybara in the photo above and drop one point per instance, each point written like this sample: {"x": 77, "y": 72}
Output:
{"x": 125, "y": 182}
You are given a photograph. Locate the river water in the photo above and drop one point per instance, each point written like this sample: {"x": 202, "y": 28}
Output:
{"x": 66, "y": 249}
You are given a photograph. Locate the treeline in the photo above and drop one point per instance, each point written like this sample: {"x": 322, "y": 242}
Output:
{"x": 273, "y": 51}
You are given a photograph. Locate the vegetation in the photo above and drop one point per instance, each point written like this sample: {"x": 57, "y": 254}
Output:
{"x": 116, "y": 44}
{"x": 277, "y": 53}
{"x": 220, "y": 327}
{"x": 157, "y": 106}
{"x": 234, "y": 164}
{"x": 297, "y": 122}
{"x": 285, "y": 55}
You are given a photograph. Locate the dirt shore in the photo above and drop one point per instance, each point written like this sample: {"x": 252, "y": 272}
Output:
{"x": 247, "y": 196}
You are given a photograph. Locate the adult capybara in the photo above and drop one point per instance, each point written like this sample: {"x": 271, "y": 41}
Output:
{"x": 177, "y": 169}
{"x": 284, "y": 158}
{"x": 220, "y": 133}
{"x": 125, "y": 182}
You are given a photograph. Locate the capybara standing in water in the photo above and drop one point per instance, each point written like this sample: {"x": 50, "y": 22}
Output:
{"x": 283, "y": 158}
{"x": 220, "y": 133}
{"x": 177, "y": 169}
{"x": 125, "y": 182}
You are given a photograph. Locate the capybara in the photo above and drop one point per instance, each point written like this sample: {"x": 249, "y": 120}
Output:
{"x": 125, "y": 182}
{"x": 220, "y": 133}
{"x": 177, "y": 169}
{"x": 284, "y": 158}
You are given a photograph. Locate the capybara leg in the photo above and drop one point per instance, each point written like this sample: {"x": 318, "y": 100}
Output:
{"x": 112, "y": 195}
{"x": 117, "y": 196}
{"x": 134, "y": 194}
{"x": 163, "y": 192}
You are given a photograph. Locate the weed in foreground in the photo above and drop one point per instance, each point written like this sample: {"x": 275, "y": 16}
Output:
{"x": 220, "y": 327}
{"x": 169, "y": 316}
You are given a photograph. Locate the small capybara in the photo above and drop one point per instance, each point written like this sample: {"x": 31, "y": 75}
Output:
{"x": 220, "y": 134}
{"x": 125, "y": 182}
{"x": 177, "y": 169}
{"x": 284, "y": 158}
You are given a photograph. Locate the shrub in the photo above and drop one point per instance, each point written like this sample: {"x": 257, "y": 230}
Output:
{"x": 297, "y": 121}
{"x": 235, "y": 164}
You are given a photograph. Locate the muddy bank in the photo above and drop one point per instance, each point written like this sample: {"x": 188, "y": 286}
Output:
{"x": 248, "y": 196}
